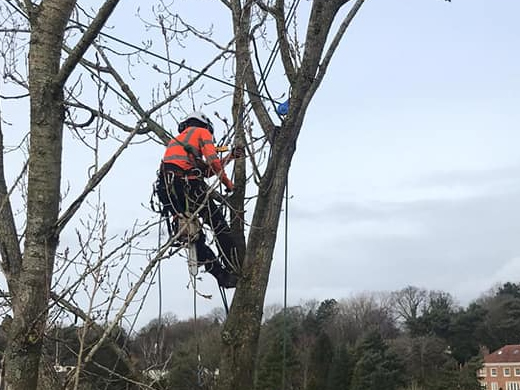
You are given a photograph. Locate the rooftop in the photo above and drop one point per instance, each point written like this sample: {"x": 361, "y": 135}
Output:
{"x": 506, "y": 354}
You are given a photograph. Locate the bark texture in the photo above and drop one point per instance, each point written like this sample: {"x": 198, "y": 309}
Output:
{"x": 242, "y": 328}
{"x": 31, "y": 279}
{"x": 29, "y": 274}
{"x": 242, "y": 58}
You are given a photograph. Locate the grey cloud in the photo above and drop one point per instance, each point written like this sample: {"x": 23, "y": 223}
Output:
{"x": 495, "y": 176}
{"x": 464, "y": 245}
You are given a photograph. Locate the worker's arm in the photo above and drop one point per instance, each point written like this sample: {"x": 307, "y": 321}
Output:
{"x": 210, "y": 154}
{"x": 236, "y": 152}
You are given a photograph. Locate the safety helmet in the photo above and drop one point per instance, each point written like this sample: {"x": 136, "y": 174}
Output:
{"x": 200, "y": 117}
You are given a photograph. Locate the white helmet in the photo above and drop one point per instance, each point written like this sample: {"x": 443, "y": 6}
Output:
{"x": 199, "y": 116}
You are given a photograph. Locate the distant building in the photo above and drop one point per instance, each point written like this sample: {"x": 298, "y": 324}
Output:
{"x": 156, "y": 374}
{"x": 63, "y": 369}
{"x": 501, "y": 369}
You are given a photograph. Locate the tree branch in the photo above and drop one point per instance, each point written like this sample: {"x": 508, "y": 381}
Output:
{"x": 98, "y": 114}
{"x": 134, "y": 101}
{"x": 92, "y": 183}
{"x": 14, "y": 97}
{"x": 142, "y": 278}
{"x": 332, "y": 48}
{"x": 226, "y": 3}
{"x": 122, "y": 355}
{"x": 241, "y": 28}
{"x": 10, "y": 253}
{"x": 285, "y": 51}
{"x": 14, "y": 30}
{"x": 192, "y": 81}
{"x": 29, "y": 7}
{"x": 259, "y": 108}
{"x": 86, "y": 40}
{"x": 264, "y": 7}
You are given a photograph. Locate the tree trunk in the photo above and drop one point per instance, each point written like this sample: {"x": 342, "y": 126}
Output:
{"x": 238, "y": 112}
{"x": 32, "y": 280}
{"x": 242, "y": 328}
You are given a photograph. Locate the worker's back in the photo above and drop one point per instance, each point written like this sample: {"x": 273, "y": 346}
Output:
{"x": 184, "y": 149}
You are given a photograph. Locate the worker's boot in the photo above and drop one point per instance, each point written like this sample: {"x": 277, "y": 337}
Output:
{"x": 231, "y": 250}
{"x": 227, "y": 280}
{"x": 205, "y": 254}
{"x": 224, "y": 278}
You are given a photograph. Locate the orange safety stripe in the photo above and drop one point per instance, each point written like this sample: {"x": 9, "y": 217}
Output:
{"x": 201, "y": 142}
{"x": 206, "y": 142}
{"x": 176, "y": 151}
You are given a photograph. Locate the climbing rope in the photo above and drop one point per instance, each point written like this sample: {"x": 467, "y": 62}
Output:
{"x": 159, "y": 287}
{"x": 224, "y": 299}
{"x": 196, "y": 331}
{"x": 286, "y": 252}
{"x": 226, "y": 140}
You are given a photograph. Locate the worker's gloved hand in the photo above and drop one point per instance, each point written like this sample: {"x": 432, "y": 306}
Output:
{"x": 238, "y": 152}
{"x": 229, "y": 185}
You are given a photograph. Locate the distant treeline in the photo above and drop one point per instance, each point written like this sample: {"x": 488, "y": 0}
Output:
{"x": 408, "y": 339}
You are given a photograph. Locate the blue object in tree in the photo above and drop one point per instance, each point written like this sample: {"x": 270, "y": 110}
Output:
{"x": 283, "y": 108}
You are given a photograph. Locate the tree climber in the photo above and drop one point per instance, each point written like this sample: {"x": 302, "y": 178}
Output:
{"x": 189, "y": 158}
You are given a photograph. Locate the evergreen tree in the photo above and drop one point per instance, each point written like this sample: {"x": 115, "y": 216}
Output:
{"x": 511, "y": 289}
{"x": 502, "y": 320}
{"x": 340, "y": 372}
{"x": 443, "y": 377}
{"x": 106, "y": 368}
{"x": 270, "y": 371}
{"x": 326, "y": 311}
{"x": 321, "y": 359}
{"x": 467, "y": 375}
{"x": 321, "y": 351}
{"x": 184, "y": 372}
{"x": 376, "y": 367}
{"x": 463, "y": 333}
{"x": 272, "y": 364}
{"x": 437, "y": 317}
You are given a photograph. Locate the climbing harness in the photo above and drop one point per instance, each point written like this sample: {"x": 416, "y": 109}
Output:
{"x": 182, "y": 224}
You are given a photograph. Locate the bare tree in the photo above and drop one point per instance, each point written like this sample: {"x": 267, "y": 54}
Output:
{"x": 29, "y": 272}
{"x": 29, "y": 254}
{"x": 63, "y": 38}
{"x": 305, "y": 67}
{"x": 409, "y": 303}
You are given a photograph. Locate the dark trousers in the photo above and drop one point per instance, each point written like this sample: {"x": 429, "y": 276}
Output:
{"x": 193, "y": 196}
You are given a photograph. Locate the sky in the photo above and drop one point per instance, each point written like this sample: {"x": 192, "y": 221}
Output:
{"x": 406, "y": 170}
{"x": 425, "y": 189}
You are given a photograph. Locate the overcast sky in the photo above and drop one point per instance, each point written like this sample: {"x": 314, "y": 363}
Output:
{"x": 407, "y": 167}
{"x": 420, "y": 182}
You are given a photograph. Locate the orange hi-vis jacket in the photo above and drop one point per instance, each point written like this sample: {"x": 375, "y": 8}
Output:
{"x": 201, "y": 142}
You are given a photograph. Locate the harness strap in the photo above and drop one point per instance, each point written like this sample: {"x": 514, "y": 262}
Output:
{"x": 192, "y": 173}
{"x": 193, "y": 155}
